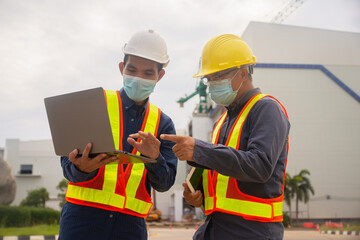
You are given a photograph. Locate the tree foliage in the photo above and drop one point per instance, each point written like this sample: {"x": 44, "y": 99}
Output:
{"x": 62, "y": 187}
{"x": 298, "y": 187}
{"x": 36, "y": 198}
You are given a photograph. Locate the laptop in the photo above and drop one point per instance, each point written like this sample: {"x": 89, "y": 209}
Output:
{"x": 79, "y": 118}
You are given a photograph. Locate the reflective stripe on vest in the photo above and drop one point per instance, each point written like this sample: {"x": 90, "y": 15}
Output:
{"x": 115, "y": 193}
{"x": 216, "y": 187}
{"x": 138, "y": 170}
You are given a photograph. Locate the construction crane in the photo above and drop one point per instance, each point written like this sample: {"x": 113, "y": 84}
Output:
{"x": 287, "y": 10}
{"x": 203, "y": 107}
{"x": 205, "y": 103}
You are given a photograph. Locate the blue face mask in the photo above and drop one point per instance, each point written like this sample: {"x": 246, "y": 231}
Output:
{"x": 138, "y": 89}
{"x": 221, "y": 91}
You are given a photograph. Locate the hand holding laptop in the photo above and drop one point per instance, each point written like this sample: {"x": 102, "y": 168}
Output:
{"x": 87, "y": 164}
{"x": 90, "y": 123}
{"x": 149, "y": 145}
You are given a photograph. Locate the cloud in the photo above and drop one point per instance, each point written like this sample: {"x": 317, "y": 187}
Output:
{"x": 53, "y": 47}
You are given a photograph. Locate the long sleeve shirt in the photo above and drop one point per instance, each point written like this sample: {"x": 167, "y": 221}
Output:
{"x": 160, "y": 176}
{"x": 258, "y": 166}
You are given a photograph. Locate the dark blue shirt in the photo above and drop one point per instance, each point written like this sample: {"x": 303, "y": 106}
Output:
{"x": 82, "y": 222}
{"x": 258, "y": 166}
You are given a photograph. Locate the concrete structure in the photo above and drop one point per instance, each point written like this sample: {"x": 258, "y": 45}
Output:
{"x": 314, "y": 73}
{"x": 34, "y": 165}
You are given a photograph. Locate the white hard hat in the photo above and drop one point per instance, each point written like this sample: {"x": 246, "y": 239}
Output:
{"x": 148, "y": 44}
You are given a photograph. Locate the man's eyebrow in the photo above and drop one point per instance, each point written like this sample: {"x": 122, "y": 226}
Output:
{"x": 130, "y": 66}
{"x": 150, "y": 70}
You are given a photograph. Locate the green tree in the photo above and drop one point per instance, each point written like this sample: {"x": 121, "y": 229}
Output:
{"x": 62, "y": 187}
{"x": 298, "y": 186}
{"x": 36, "y": 198}
{"x": 303, "y": 189}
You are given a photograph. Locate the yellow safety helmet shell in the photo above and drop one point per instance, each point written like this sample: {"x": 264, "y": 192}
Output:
{"x": 224, "y": 52}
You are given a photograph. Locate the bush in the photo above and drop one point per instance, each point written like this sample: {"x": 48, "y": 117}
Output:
{"x": 27, "y": 216}
{"x": 44, "y": 216}
{"x": 36, "y": 198}
{"x": 286, "y": 220}
{"x": 14, "y": 216}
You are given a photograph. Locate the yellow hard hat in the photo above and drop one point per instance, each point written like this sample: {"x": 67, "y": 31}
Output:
{"x": 224, "y": 52}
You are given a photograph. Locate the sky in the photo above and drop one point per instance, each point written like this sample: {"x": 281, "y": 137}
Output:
{"x": 54, "y": 47}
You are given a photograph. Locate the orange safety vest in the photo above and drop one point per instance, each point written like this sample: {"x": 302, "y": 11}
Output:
{"x": 113, "y": 188}
{"x": 222, "y": 193}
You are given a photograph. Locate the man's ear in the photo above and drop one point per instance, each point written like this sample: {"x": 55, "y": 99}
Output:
{"x": 161, "y": 74}
{"x": 121, "y": 67}
{"x": 244, "y": 73}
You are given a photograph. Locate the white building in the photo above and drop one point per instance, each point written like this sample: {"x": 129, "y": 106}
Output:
{"x": 315, "y": 74}
{"x": 34, "y": 165}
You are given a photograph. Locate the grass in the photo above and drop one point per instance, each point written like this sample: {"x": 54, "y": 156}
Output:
{"x": 33, "y": 230}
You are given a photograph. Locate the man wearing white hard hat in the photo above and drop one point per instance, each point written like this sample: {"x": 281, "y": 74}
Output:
{"x": 110, "y": 201}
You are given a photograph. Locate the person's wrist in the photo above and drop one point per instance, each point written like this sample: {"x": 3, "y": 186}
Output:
{"x": 156, "y": 155}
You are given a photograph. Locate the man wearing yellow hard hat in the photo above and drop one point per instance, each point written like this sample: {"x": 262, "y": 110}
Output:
{"x": 243, "y": 181}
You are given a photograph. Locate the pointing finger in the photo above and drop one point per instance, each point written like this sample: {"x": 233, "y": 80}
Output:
{"x": 170, "y": 137}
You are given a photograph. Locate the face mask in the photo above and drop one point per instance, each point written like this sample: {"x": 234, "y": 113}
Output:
{"x": 221, "y": 91}
{"x": 138, "y": 88}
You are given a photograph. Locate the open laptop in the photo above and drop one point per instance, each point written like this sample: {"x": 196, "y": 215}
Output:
{"x": 79, "y": 118}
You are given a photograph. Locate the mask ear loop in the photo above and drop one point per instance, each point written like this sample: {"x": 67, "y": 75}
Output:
{"x": 240, "y": 83}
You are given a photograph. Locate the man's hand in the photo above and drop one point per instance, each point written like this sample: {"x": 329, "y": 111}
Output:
{"x": 184, "y": 147}
{"x": 86, "y": 164}
{"x": 195, "y": 199}
{"x": 149, "y": 145}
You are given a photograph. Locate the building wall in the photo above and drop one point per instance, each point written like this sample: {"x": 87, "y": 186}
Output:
{"x": 278, "y": 43}
{"x": 324, "y": 138}
{"x": 325, "y": 130}
{"x": 47, "y": 171}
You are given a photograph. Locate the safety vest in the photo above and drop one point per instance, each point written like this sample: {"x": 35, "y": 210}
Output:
{"x": 222, "y": 193}
{"x": 114, "y": 188}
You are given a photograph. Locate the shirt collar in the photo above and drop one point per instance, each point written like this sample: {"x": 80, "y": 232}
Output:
{"x": 244, "y": 99}
{"x": 129, "y": 103}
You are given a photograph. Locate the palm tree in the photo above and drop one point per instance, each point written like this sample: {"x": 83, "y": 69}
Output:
{"x": 299, "y": 187}
{"x": 288, "y": 193}
{"x": 303, "y": 189}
